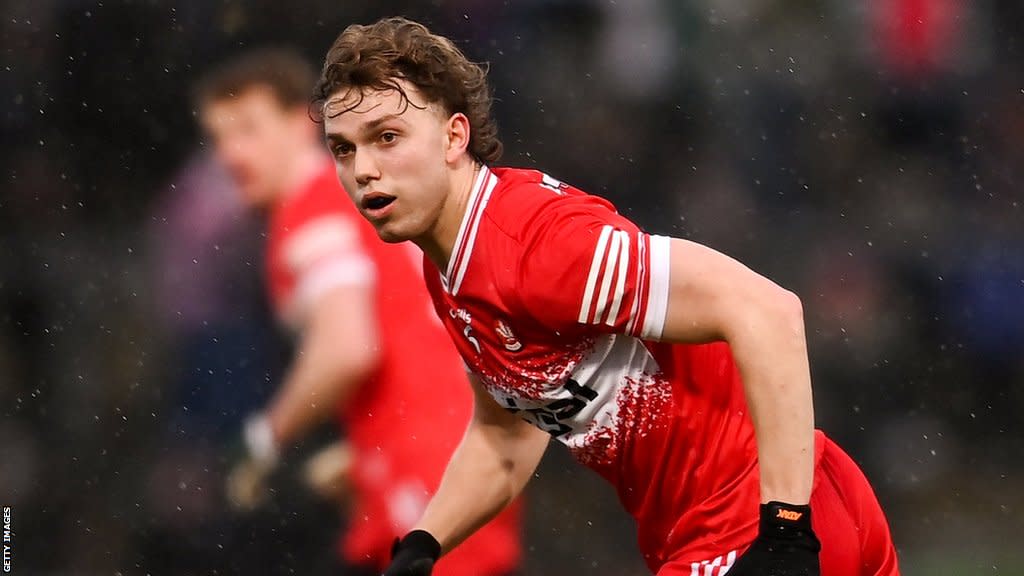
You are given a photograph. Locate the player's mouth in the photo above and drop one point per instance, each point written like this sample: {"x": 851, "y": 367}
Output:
{"x": 376, "y": 204}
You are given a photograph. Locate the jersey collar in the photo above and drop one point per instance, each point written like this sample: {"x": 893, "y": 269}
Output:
{"x": 484, "y": 184}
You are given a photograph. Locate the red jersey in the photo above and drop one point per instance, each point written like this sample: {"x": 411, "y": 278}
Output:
{"x": 402, "y": 436}
{"x": 556, "y": 301}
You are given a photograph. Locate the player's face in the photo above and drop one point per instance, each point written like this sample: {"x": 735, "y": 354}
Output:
{"x": 391, "y": 158}
{"x": 253, "y": 135}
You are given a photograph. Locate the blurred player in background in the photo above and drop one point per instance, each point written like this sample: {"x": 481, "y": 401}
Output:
{"x": 672, "y": 370}
{"x": 370, "y": 349}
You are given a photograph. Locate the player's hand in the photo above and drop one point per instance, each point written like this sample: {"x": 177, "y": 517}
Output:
{"x": 247, "y": 485}
{"x": 327, "y": 472}
{"x": 414, "y": 555}
{"x": 247, "y": 482}
{"x": 785, "y": 544}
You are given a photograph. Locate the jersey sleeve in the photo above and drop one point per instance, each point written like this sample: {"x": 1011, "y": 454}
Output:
{"x": 586, "y": 269}
{"x": 323, "y": 253}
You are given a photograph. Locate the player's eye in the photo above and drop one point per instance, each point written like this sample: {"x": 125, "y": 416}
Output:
{"x": 342, "y": 150}
{"x": 388, "y": 137}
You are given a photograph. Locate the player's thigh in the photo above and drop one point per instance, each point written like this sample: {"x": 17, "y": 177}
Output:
{"x": 849, "y": 521}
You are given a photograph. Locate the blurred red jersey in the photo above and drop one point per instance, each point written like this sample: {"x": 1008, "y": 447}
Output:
{"x": 556, "y": 301}
{"x": 402, "y": 434}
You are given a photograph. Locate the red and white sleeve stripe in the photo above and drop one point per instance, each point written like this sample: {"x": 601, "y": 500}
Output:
{"x": 324, "y": 254}
{"x": 627, "y": 284}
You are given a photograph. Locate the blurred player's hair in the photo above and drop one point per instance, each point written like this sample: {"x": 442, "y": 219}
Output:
{"x": 288, "y": 75}
{"x": 376, "y": 56}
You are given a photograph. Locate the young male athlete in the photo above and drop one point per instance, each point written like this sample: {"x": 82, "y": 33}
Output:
{"x": 672, "y": 370}
{"x": 369, "y": 340}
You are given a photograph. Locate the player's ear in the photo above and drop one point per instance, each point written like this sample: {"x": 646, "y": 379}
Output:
{"x": 456, "y": 136}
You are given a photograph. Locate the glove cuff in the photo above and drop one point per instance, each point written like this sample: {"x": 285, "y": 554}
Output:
{"x": 784, "y": 519}
{"x": 419, "y": 543}
{"x": 259, "y": 440}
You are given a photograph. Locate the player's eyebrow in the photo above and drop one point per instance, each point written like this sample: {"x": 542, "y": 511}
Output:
{"x": 335, "y": 138}
{"x": 367, "y": 127}
{"x": 374, "y": 124}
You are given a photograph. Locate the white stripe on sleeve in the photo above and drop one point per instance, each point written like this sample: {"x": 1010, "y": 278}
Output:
{"x": 341, "y": 270}
{"x": 657, "y": 295}
{"x": 606, "y": 278}
{"x": 620, "y": 283}
{"x": 595, "y": 267}
{"x": 641, "y": 269}
{"x": 322, "y": 237}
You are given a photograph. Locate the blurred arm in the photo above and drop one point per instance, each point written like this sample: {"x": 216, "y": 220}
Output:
{"x": 493, "y": 463}
{"x": 714, "y": 297}
{"x": 338, "y": 351}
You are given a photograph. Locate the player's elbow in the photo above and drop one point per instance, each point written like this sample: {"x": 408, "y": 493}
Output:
{"x": 358, "y": 361}
{"x": 785, "y": 310}
{"x": 345, "y": 361}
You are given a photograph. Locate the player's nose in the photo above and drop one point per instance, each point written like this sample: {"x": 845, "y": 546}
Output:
{"x": 364, "y": 167}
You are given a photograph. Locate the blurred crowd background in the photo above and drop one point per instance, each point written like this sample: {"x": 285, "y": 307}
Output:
{"x": 868, "y": 155}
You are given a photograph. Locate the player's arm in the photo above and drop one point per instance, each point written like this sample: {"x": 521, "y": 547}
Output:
{"x": 588, "y": 269}
{"x": 332, "y": 303}
{"x": 713, "y": 297}
{"x": 337, "y": 352}
{"x": 496, "y": 458}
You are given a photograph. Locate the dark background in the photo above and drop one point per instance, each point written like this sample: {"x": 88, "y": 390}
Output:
{"x": 865, "y": 154}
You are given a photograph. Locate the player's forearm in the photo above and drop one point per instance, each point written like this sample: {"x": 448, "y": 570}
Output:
{"x": 770, "y": 349}
{"x": 488, "y": 470}
{"x": 714, "y": 297}
{"x": 320, "y": 378}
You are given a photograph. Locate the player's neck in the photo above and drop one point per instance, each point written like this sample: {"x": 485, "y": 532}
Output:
{"x": 440, "y": 242}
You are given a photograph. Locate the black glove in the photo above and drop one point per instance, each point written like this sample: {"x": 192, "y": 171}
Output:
{"x": 785, "y": 544}
{"x": 413, "y": 555}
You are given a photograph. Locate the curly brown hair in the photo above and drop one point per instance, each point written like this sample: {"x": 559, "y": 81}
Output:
{"x": 376, "y": 56}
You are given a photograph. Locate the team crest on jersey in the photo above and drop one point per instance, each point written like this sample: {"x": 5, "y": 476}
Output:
{"x": 508, "y": 338}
